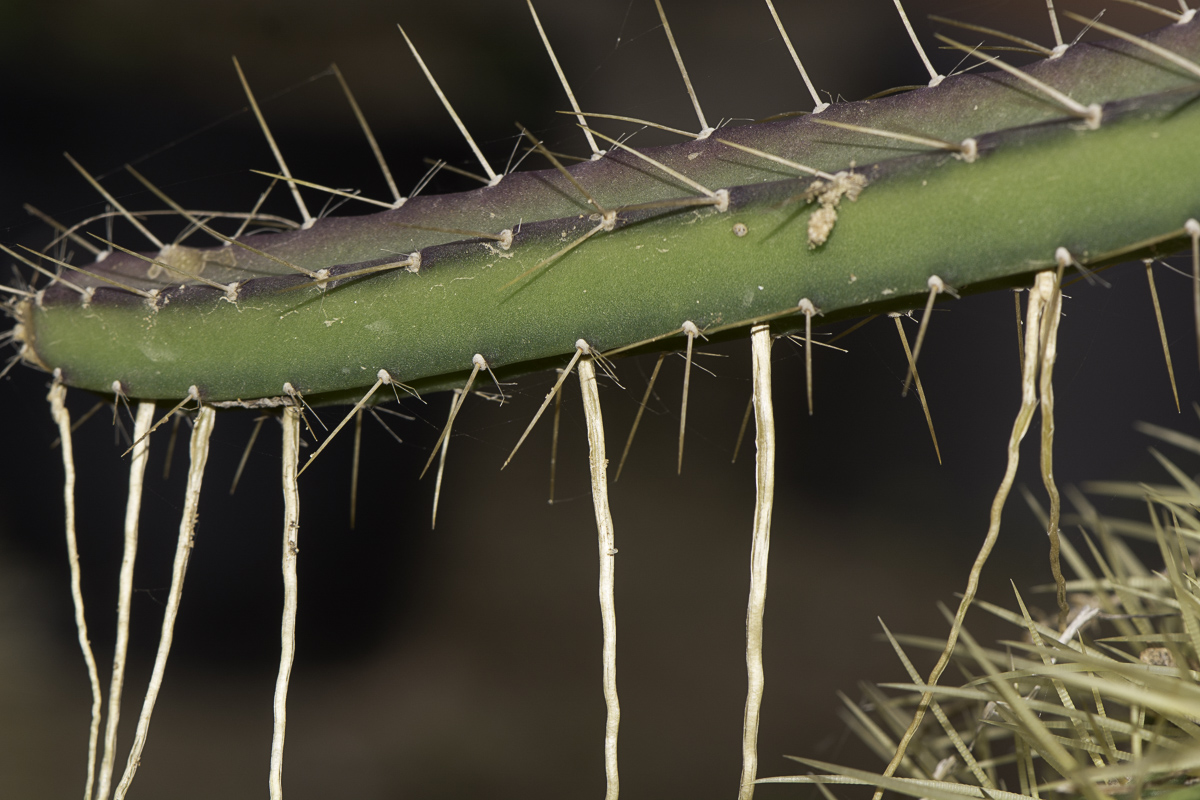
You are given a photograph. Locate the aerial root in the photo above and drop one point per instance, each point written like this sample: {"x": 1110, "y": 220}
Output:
{"x": 62, "y": 417}
{"x": 456, "y": 398}
{"x": 291, "y": 529}
{"x": 764, "y": 417}
{"x": 936, "y": 287}
{"x": 808, "y": 310}
{"x": 133, "y": 505}
{"x": 1090, "y": 114}
{"x": 608, "y": 551}
{"x": 1040, "y": 296}
{"x": 580, "y": 348}
{"x": 934, "y": 77}
{"x": 637, "y": 420}
{"x": 912, "y": 366}
{"x": 1162, "y": 330}
{"x": 201, "y": 432}
{"x": 493, "y": 178}
{"x": 1049, "y": 352}
{"x": 354, "y": 466}
{"x": 1192, "y": 227}
{"x": 596, "y": 151}
{"x": 262, "y": 123}
{"x": 692, "y": 332}
{"x": 705, "y": 129}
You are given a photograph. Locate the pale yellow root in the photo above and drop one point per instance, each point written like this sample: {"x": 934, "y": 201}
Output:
{"x": 608, "y": 552}
{"x": 133, "y": 506}
{"x": 764, "y": 417}
{"x": 62, "y": 417}
{"x": 291, "y": 529}
{"x": 201, "y": 432}
{"x": 1041, "y": 294}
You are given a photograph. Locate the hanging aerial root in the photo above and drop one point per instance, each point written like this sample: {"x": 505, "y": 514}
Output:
{"x": 637, "y": 420}
{"x": 1162, "y": 329}
{"x": 291, "y": 529}
{"x": 1049, "y": 336}
{"x": 764, "y": 418}
{"x": 912, "y": 367}
{"x": 198, "y": 449}
{"x": 1039, "y": 296}
{"x": 133, "y": 506}
{"x": 608, "y": 552}
{"x": 62, "y": 417}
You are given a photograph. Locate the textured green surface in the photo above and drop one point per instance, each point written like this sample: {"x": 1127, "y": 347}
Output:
{"x": 1037, "y": 186}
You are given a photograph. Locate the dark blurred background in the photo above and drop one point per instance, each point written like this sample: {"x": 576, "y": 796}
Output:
{"x": 466, "y": 661}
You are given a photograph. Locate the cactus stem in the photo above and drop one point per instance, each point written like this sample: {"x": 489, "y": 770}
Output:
{"x": 493, "y": 178}
{"x": 818, "y": 106}
{"x": 133, "y": 505}
{"x": 912, "y": 368}
{"x": 764, "y": 416}
{"x": 262, "y": 123}
{"x": 183, "y": 549}
{"x": 934, "y": 77}
{"x": 607, "y": 551}
{"x": 62, "y": 417}
{"x": 597, "y": 153}
{"x": 936, "y": 287}
{"x": 287, "y": 650}
{"x": 1090, "y": 114}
